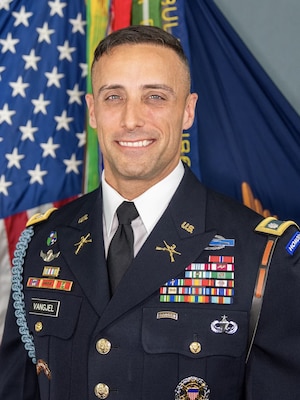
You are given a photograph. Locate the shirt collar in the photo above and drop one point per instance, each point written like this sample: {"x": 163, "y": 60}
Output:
{"x": 150, "y": 205}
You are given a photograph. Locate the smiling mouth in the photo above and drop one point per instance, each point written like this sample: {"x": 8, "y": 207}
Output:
{"x": 139, "y": 143}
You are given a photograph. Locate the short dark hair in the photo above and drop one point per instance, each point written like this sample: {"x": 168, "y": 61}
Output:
{"x": 140, "y": 34}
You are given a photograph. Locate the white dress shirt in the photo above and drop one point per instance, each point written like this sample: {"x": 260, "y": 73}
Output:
{"x": 150, "y": 206}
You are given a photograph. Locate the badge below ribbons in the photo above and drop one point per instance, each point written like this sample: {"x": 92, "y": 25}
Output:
{"x": 211, "y": 282}
{"x": 192, "y": 388}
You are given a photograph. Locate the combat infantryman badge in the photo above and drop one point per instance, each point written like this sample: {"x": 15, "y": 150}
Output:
{"x": 192, "y": 388}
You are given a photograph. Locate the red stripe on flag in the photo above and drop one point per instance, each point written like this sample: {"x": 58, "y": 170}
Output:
{"x": 14, "y": 225}
{"x": 120, "y": 14}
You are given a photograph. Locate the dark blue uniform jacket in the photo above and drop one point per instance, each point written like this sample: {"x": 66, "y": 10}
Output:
{"x": 159, "y": 341}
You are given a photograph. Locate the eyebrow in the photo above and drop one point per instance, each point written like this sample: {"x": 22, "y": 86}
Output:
{"x": 154, "y": 86}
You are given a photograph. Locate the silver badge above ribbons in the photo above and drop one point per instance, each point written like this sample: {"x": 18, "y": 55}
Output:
{"x": 192, "y": 388}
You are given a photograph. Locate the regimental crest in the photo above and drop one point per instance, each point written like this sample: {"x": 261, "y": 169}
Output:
{"x": 192, "y": 388}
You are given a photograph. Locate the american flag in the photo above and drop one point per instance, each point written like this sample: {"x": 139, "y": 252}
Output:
{"x": 43, "y": 74}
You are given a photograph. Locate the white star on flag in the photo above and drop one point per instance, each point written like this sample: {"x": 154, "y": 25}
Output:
{"x": 63, "y": 121}
{"x": 72, "y": 164}
{"x": 27, "y": 131}
{"x": 44, "y": 33}
{"x": 54, "y": 77}
{"x": 49, "y": 148}
{"x": 9, "y": 44}
{"x": 56, "y": 7}
{"x": 19, "y": 87}
{"x": 22, "y": 17}
{"x": 81, "y": 138}
{"x": 66, "y": 51}
{"x": 4, "y": 185}
{"x": 37, "y": 175}
{"x": 14, "y": 159}
{"x": 31, "y": 60}
{"x": 40, "y": 104}
{"x": 75, "y": 94}
{"x": 78, "y": 24}
{"x": 6, "y": 114}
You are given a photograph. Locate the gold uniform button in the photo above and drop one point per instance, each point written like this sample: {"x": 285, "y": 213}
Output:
{"x": 103, "y": 346}
{"x": 195, "y": 347}
{"x": 38, "y": 326}
{"x": 101, "y": 391}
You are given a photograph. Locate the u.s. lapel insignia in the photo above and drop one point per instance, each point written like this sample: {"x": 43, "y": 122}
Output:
{"x": 187, "y": 227}
{"x": 83, "y": 240}
{"x": 49, "y": 256}
{"x": 170, "y": 249}
{"x": 192, "y": 388}
{"x": 85, "y": 217}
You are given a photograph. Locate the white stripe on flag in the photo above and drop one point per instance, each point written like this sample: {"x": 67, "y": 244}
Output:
{"x": 146, "y": 14}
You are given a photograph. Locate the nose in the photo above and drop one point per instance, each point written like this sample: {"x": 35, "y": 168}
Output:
{"x": 132, "y": 116}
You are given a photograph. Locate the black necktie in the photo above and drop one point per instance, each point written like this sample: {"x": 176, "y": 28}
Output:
{"x": 120, "y": 252}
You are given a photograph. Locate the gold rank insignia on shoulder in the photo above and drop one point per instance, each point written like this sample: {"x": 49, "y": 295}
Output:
{"x": 40, "y": 217}
{"x": 274, "y": 226}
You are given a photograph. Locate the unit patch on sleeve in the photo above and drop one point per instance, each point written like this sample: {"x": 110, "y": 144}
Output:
{"x": 293, "y": 244}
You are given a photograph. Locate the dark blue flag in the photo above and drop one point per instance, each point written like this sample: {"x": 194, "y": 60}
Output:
{"x": 249, "y": 135}
{"x": 42, "y": 113}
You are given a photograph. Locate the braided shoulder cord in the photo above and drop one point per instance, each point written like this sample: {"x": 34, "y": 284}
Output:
{"x": 17, "y": 291}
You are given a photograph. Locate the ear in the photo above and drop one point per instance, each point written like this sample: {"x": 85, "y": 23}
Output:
{"x": 189, "y": 112}
{"x": 89, "y": 98}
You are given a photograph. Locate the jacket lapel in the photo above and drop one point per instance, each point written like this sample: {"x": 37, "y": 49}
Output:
{"x": 83, "y": 251}
{"x": 177, "y": 240}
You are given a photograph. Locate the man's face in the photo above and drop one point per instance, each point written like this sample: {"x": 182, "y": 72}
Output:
{"x": 140, "y": 105}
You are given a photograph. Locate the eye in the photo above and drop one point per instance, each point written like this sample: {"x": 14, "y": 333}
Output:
{"x": 113, "y": 97}
{"x": 156, "y": 97}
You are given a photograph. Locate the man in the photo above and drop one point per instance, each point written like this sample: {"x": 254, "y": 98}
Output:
{"x": 175, "y": 324}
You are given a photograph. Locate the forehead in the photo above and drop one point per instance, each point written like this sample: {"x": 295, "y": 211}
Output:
{"x": 139, "y": 61}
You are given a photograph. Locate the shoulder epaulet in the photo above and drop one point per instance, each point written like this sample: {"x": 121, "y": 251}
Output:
{"x": 273, "y": 226}
{"x": 39, "y": 217}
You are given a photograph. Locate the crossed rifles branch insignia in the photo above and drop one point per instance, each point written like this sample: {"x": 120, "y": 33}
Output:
{"x": 170, "y": 249}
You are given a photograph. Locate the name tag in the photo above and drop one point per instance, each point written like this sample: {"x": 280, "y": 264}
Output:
{"x": 48, "y": 308}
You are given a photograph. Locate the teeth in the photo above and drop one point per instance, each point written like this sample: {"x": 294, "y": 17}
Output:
{"x": 141, "y": 143}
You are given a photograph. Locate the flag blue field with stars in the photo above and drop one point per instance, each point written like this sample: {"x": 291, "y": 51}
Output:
{"x": 42, "y": 110}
